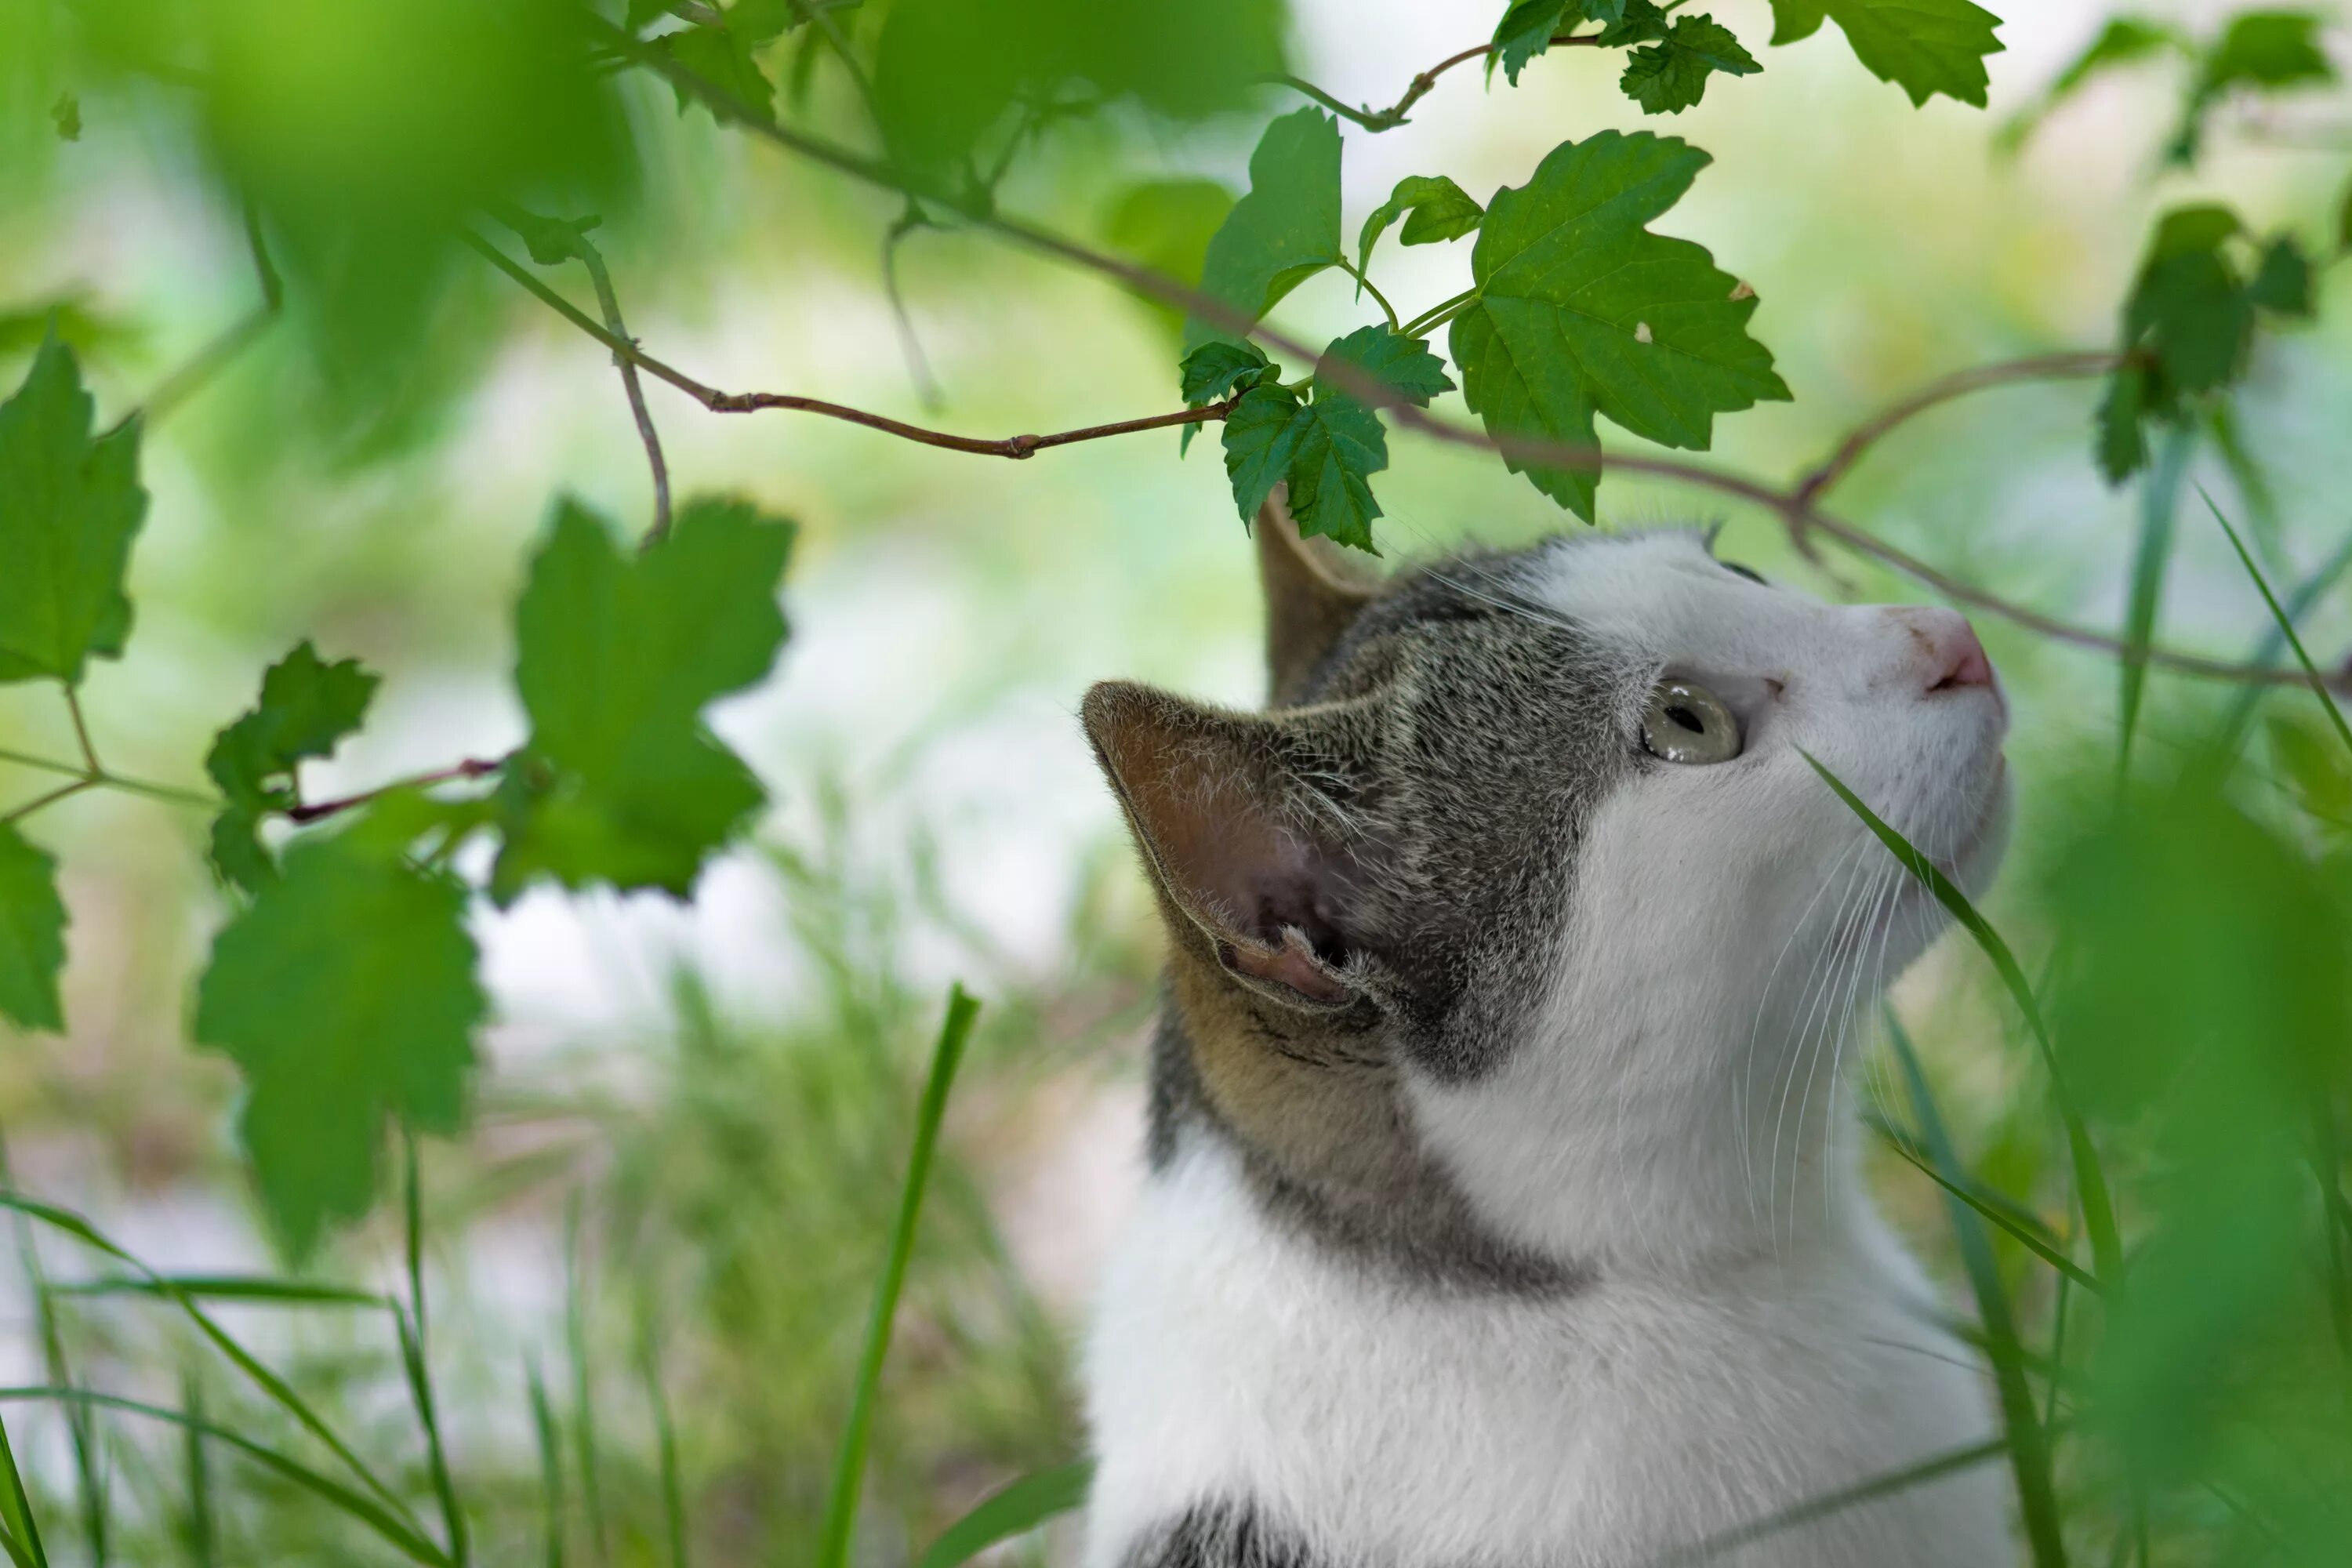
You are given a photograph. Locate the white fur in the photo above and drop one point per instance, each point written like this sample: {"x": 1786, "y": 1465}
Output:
{"x": 1754, "y": 1336}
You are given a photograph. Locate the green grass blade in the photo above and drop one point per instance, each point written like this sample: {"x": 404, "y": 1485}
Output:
{"x": 16, "y": 1510}
{"x": 2029, "y": 1445}
{"x": 551, "y": 1463}
{"x": 673, "y": 1487}
{"x": 16, "y": 1553}
{"x": 584, "y": 1392}
{"x": 1013, "y": 1509}
{"x": 89, "y": 1479}
{"x": 849, "y": 1470}
{"x": 412, "y": 1327}
{"x": 245, "y": 1289}
{"x": 2285, "y": 624}
{"x": 279, "y": 1392}
{"x": 202, "y": 1533}
{"x": 2029, "y": 1236}
{"x": 2090, "y": 1179}
{"x": 355, "y": 1505}
{"x": 2307, "y": 592}
{"x": 1886, "y": 1484}
{"x": 2159, "y": 494}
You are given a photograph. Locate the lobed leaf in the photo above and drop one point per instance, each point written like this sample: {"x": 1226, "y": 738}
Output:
{"x": 1286, "y": 229}
{"x": 70, "y": 507}
{"x": 307, "y": 708}
{"x": 1525, "y": 31}
{"x": 346, "y": 993}
{"x": 1166, "y": 225}
{"x": 1403, "y": 364}
{"x": 1583, "y": 311}
{"x": 617, "y": 655}
{"x": 1434, "y": 208}
{"x": 1924, "y": 47}
{"x": 1327, "y": 449}
{"x": 1219, "y": 367}
{"x": 32, "y": 934}
{"x": 1670, "y": 76}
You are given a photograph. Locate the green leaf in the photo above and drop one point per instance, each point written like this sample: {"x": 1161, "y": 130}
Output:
{"x": 308, "y": 706}
{"x": 1328, "y": 449}
{"x": 552, "y": 241}
{"x": 1924, "y": 47}
{"x": 1582, "y": 311}
{"x": 946, "y": 73}
{"x": 1635, "y": 22}
{"x": 2315, "y": 765}
{"x": 722, "y": 56}
{"x": 32, "y": 934}
{"x": 1013, "y": 1508}
{"x": 70, "y": 508}
{"x": 2189, "y": 324}
{"x": 1286, "y": 229}
{"x": 617, "y": 653}
{"x": 1219, "y": 367}
{"x": 1525, "y": 31}
{"x": 346, "y": 993}
{"x": 2269, "y": 50}
{"x": 1434, "y": 208}
{"x": 1670, "y": 76}
{"x": 1166, "y": 225}
{"x": 1403, "y": 364}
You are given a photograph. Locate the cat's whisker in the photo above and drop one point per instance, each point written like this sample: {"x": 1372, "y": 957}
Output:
{"x": 1802, "y": 1039}
{"x": 1743, "y": 1099}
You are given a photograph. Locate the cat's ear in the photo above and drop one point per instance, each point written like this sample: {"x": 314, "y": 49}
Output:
{"x": 1311, "y": 596}
{"x": 1255, "y": 869}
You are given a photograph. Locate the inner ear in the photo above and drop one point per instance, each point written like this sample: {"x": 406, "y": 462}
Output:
{"x": 1247, "y": 853}
{"x": 1312, "y": 596}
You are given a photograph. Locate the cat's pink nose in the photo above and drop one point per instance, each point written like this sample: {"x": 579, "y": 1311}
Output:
{"x": 1956, "y": 653}
{"x": 1949, "y": 653}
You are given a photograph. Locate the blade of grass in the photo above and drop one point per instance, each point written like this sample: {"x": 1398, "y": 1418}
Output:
{"x": 2307, "y": 592}
{"x": 672, "y": 1489}
{"x": 2029, "y": 1445}
{"x": 243, "y": 1288}
{"x": 2285, "y": 624}
{"x": 2090, "y": 1179}
{"x": 280, "y": 1394}
{"x": 1885, "y": 1484}
{"x": 1011, "y": 1510}
{"x": 849, "y": 1470}
{"x": 203, "y": 1546}
{"x": 89, "y": 1480}
{"x": 551, "y": 1463}
{"x": 411, "y": 1545}
{"x": 413, "y": 1359}
{"x": 2159, "y": 494}
{"x": 16, "y": 1510}
{"x": 584, "y": 1405}
{"x": 16, "y": 1553}
{"x": 2027, "y": 1236}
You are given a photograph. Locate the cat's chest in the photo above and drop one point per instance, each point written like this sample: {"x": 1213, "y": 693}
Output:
{"x": 1231, "y": 1364}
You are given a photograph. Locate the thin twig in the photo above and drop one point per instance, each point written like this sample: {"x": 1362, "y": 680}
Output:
{"x": 2044, "y": 367}
{"x": 223, "y": 351}
{"x": 82, "y": 735}
{"x": 471, "y": 768}
{"x": 1352, "y": 271}
{"x": 592, "y": 258}
{"x": 65, "y": 792}
{"x": 1389, "y": 119}
{"x": 919, "y": 363}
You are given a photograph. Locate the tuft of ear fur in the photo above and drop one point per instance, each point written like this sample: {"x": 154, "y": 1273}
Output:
{"x": 1226, "y": 833}
{"x": 1312, "y": 596}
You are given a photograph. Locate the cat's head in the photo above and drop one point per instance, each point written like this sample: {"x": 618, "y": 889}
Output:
{"x": 1522, "y": 909}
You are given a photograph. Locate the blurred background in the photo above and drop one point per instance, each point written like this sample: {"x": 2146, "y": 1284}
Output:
{"x": 692, "y": 1119}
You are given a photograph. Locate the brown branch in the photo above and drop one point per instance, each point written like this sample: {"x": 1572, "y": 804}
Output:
{"x": 471, "y": 768}
{"x": 1389, "y": 119}
{"x": 2044, "y": 367}
{"x": 719, "y": 401}
{"x": 1799, "y": 513}
{"x": 610, "y": 305}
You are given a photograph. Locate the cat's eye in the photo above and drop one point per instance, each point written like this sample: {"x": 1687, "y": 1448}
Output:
{"x": 1686, "y": 722}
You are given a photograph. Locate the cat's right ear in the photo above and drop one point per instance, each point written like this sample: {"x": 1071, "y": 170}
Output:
{"x": 1257, "y": 878}
{"x": 1312, "y": 596}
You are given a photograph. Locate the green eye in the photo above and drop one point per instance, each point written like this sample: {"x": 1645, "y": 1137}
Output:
{"x": 1686, "y": 722}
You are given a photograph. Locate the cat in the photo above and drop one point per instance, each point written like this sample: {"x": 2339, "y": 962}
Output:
{"x": 1499, "y": 1210}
